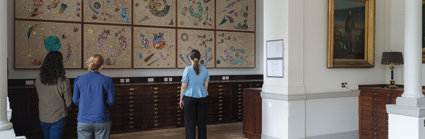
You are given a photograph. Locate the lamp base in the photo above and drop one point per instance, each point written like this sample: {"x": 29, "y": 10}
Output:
{"x": 392, "y": 85}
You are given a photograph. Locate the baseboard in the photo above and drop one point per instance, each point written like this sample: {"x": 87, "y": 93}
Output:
{"x": 341, "y": 135}
{"x": 263, "y": 136}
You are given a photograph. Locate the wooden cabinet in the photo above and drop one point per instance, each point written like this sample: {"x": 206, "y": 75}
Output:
{"x": 139, "y": 106}
{"x": 252, "y": 110}
{"x": 373, "y": 116}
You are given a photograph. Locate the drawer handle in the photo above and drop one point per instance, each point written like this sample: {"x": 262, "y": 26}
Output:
{"x": 155, "y": 92}
{"x": 156, "y": 121}
{"x": 220, "y": 119}
{"x": 220, "y": 108}
{"x": 179, "y": 119}
{"x": 156, "y": 104}
{"x": 156, "y": 117}
{"x": 156, "y": 100}
{"x": 178, "y": 87}
{"x": 179, "y": 111}
{"x": 131, "y": 97}
{"x": 155, "y": 109}
{"x": 156, "y": 125}
{"x": 179, "y": 123}
{"x": 131, "y": 110}
{"x": 240, "y": 85}
{"x": 220, "y": 100}
{"x": 131, "y": 89}
{"x": 374, "y": 93}
{"x": 220, "y": 90}
{"x": 156, "y": 113}
{"x": 131, "y": 101}
{"x": 131, "y": 114}
{"x": 178, "y": 91}
{"x": 220, "y": 115}
{"x": 240, "y": 92}
{"x": 220, "y": 104}
{"x": 131, "y": 126}
{"x": 131, "y": 122}
{"x": 155, "y": 88}
{"x": 155, "y": 96}
{"x": 179, "y": 115}
{"x": 131, "y": 106}
{"x": 239, "y": 110}
{"x": 131, "y": 118}
{"x": 239, "y": 113}
{"x": 240, "y": 96}
{"x": 220, "y": 112}
{"x": 131, "y": 93}
{"x": 220, "y": 93}
{"x": 220, "y": 86}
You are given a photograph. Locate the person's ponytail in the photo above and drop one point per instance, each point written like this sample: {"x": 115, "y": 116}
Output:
{"x": 195, "y": 55}
{"x": 196, "y": 65}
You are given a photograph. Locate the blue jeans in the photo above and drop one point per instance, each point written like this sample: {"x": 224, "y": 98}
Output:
{"x": 53, "y": 130}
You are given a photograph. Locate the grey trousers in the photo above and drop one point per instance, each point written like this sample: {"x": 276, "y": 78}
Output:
{"x": 98, "y": 131}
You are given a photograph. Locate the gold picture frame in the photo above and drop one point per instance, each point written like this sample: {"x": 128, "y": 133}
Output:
{"x": 351, "y": 34}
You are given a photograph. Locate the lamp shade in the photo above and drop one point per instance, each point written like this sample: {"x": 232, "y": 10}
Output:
{"x": 395, "y": 58}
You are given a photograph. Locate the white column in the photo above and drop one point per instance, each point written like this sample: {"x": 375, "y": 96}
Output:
{"x": 406, "y": 118}
{"x": 413, "y": 49}
{"x": 4, "y": 123}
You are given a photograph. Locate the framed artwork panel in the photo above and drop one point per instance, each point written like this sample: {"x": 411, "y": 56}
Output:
{"x": 202, "y": 40}
{"x": 155, "y": 12}
{"x": 196, "y": 14}
{"x": 235, "y": 50}
{"x": 33, "y": 40}
{"x": 154, "y": 48}
{"x": 64, "y": 10}
{"x": 351, "y": 34}
{"x": 235, "y": 15}
{"x": 108, "y": 11}
{"x": 112, "y": 42}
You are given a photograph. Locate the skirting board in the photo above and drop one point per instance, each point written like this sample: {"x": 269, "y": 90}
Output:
{"x": 299, "y": 97}
{"x": 342, "y": 135}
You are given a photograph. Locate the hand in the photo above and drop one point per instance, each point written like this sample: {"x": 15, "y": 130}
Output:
{"x": 181, "y": 104}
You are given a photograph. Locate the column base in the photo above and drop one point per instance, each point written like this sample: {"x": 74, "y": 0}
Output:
{"x": 7, "y": 134}
{"x": 5, "y": 126}
{"x": 411, "y": 102}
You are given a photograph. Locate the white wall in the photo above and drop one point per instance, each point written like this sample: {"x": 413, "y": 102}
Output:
{"x": 318, "y": 78}
{"x": 25, "y": 74}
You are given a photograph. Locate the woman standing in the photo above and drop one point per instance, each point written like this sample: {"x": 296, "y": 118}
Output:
{"x": 194, "y": 91}
{"x": 54, "y": 95}
{"x": 94, "y": 94}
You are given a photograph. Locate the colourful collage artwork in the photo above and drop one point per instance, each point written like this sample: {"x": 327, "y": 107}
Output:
{"x": 142, "y": 34}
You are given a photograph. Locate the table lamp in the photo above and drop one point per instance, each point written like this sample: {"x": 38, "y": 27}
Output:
{"x": 392, "y": 59}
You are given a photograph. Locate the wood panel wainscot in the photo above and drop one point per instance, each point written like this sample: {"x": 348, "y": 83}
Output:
{"x": 373, "y": 116}
{"x": 252, "y": 112}
{"x": 139, "y": 105}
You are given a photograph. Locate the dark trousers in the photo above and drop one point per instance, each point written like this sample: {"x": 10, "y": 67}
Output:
{"x": 195, "y": 114}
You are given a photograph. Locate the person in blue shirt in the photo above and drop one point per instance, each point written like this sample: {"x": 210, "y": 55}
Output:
{"x": 94, "y": 93}
{"x": 193, "y": 93}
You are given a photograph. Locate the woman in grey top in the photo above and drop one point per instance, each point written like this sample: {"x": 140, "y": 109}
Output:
{"x": 54, "y": 95}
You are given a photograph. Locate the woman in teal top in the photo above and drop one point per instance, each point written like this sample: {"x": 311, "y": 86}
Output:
{"x": 194, "y": 91}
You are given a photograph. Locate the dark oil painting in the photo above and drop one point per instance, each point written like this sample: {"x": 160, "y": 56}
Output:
{"x": 349, "y": 29}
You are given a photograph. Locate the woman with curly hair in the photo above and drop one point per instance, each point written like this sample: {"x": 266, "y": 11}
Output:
{"x": 54, "y": 95}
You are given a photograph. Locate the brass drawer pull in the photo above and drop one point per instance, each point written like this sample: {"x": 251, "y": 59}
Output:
{"x": 220, "y": 104}
{"x": 156, "y": 113}
{"x": 179, "y": 123}
{"x": 220, "y": 108}
{"x": 131, "y": 97}
{"x": 131, "y": 126}
{"x": 155, "y": 109}
{"x": 131, "y": 106}
{"x": 131, "y": 118}
{"x": 131, "y": 93}
{"x": 131, "y": 114}
{"x": 155, "y": 88}
{"x": 220, "y": 115}
{"x": 239, "y": 113}
{"x": 220, "y": 100}
{"x": 220, "y": 119}
{"x": 156, "y": 100}
{"x": 240, "y": 96}
{"x": 156, "y": 117}
{"x": 156, "y": 121}
{"x": 156, "y": 125}
{"x": 131, "y": 122}
{"x": 239, "y": 110}
{"x": 131, "y": 89}
{"x": 179, "y": 119}
{"x": 220, "y": 93}
{"x": 131, "y": 101}
{"x": 220, "y": 90}
{"x": 240, "y": 85}
{"x": 155, "y": 96}
{"x": 220, "y": 86}
{"x": 374, "y": 93}
{"x": 155, "y": 92}
{"x": 240, "y": 92}
{"x": 156, "y": 104}
{"x": 178, "y": 87}
{"x": 131, "y": 110}
{"x": 220, "y": 112}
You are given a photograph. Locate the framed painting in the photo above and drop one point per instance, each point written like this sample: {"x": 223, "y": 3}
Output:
{"x": 34, "y": 39}
{"x": 157, "y": 12}
{"x": 110, "y": 41}
{"x": 235, "y": 15}
{"x": 108, "y": 11}
{"x": 235, "y": 50}
{"x": 65, "y": 10}
{"x": 154, "y": 48}
{"x": 351, "y": 34}
{"x": 196, "y": 14}
{"x": 202, "y": 40}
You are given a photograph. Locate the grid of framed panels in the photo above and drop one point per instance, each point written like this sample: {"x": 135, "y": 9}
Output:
{"x": 141, "y": 34}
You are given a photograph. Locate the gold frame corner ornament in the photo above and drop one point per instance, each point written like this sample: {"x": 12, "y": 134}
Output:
{"x": 368, "y": 60}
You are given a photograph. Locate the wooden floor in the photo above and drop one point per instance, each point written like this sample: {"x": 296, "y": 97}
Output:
{"x": 221, "y": 131}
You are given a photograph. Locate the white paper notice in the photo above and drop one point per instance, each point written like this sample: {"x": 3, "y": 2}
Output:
{"x": 275, "y": 68}
{"x": 275, "y": 49}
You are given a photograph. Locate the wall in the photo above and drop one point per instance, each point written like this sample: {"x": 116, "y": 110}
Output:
{"x": 25, "y": 74}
